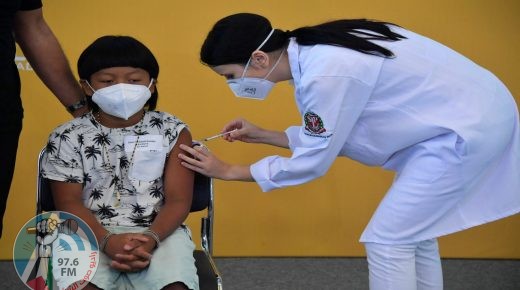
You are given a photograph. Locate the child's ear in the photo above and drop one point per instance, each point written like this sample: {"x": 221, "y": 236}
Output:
{"x": 86, "y": 88}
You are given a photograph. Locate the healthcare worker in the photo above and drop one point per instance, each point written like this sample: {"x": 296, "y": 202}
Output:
{"x": 384, "y": 96}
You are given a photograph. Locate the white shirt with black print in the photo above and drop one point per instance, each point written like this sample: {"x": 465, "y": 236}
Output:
{"x": 84, "y": 151}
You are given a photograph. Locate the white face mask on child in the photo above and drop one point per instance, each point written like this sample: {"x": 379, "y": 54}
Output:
{"x": 122, "y": 100}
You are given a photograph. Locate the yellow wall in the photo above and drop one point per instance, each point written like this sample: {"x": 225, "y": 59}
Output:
{"x": 322, "y": 218}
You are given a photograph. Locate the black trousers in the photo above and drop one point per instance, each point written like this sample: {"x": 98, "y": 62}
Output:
{"x": 8, "y": 146}
{"x": 11, "y": 114}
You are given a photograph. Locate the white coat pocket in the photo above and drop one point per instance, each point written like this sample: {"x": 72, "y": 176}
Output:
{"x": 146, "y": 155}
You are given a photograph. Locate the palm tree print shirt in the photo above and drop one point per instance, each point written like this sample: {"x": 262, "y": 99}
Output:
{"x": 122, "y": 178}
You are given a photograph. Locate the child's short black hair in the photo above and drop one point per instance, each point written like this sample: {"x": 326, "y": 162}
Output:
{"x": 118, "y": 51}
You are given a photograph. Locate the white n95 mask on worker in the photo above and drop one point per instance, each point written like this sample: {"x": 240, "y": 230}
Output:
{"x": 251, "y": 88}
{"x": 122, "y": 100}
{"x": 254, "y": 88}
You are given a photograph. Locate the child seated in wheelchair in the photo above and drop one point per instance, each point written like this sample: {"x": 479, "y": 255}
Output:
{"x": 116, "y": 168}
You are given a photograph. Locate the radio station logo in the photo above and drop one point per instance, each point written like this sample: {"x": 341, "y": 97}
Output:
{"x": 55, "y": 250}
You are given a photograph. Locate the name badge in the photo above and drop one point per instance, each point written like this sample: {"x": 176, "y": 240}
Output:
{"x": 147, "y": 162}
{"x": 150, "y": 143}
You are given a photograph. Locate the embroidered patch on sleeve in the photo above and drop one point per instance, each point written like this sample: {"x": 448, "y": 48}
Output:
{"x": 314, "y": 125}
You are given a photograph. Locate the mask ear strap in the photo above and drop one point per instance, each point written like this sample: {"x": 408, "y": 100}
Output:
{"x": 265, "y": 40}
{"x": 245, "y": 68}
{"x": 276, "y": 64}
{"x": 258, "y": 48}
{"x": 151, "y": 83}
{"x": 88, "y": 84}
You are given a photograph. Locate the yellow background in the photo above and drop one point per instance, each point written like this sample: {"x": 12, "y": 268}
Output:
{"x": 322, "y": 218}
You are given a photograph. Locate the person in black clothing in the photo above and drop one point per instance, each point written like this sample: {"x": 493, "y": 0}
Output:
{"x": 22, "y": 21}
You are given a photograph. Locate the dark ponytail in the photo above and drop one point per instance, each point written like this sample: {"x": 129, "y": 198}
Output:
{"x": 233, "y": 38}
{"x": 355, "y": 34}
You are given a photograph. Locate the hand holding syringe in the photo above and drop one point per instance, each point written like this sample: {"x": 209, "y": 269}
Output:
{"x": 218, "y": 135}
{"x": 201, "y": 160}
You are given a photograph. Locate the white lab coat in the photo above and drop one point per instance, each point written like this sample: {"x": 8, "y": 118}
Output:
{"x": 446, "y": 126}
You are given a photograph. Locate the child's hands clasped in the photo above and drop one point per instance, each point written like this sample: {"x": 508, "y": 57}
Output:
{"x": 130, "y": 252}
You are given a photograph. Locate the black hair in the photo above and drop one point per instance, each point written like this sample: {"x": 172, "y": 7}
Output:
{"x": 118, "y": 51}
{"x": 233, "y": 38}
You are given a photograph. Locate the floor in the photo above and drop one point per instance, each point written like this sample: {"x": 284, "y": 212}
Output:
{"x": 332, "y": 273}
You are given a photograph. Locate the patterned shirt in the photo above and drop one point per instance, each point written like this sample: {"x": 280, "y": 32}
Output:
{"x": 120, "y": 168}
